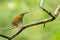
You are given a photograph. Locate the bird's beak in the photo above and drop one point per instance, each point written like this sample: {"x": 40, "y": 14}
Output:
{"x": 25, "y": 13}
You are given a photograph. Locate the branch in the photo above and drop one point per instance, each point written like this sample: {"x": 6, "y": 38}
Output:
{"x": 53, "y": 17}
{"x": 56, "y": 11}
{"x": 41, "y": 21}
{"x": 7, "y": 37}
{"x": 41, "y": 6}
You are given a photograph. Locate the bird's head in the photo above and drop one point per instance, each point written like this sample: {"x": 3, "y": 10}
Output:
{"x": 23, "y": 14}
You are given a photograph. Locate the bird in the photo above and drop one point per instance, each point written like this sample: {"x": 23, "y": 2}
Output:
{"x": 18, "y": 19}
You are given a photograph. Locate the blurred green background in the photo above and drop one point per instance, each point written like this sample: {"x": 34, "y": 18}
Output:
{"x": 11, "y": 8}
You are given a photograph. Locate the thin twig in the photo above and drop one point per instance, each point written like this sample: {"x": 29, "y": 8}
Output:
{"x": 48, "y": 12}
{"x": 4, "y": 36}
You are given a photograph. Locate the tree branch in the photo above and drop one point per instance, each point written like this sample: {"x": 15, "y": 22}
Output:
{"x": 7, "y": 37}
{"x": 53, "y": 17}
{"x": 41, "y": 21}
{"x": 48, "y": 12}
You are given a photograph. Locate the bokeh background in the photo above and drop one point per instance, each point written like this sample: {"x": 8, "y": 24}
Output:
{"x": 11, "y": 8}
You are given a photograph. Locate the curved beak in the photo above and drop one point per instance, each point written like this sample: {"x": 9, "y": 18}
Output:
{"x": 25, "y": 13}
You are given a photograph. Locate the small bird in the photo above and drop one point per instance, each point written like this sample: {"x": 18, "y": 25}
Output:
{"x": 18, "y": 19}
